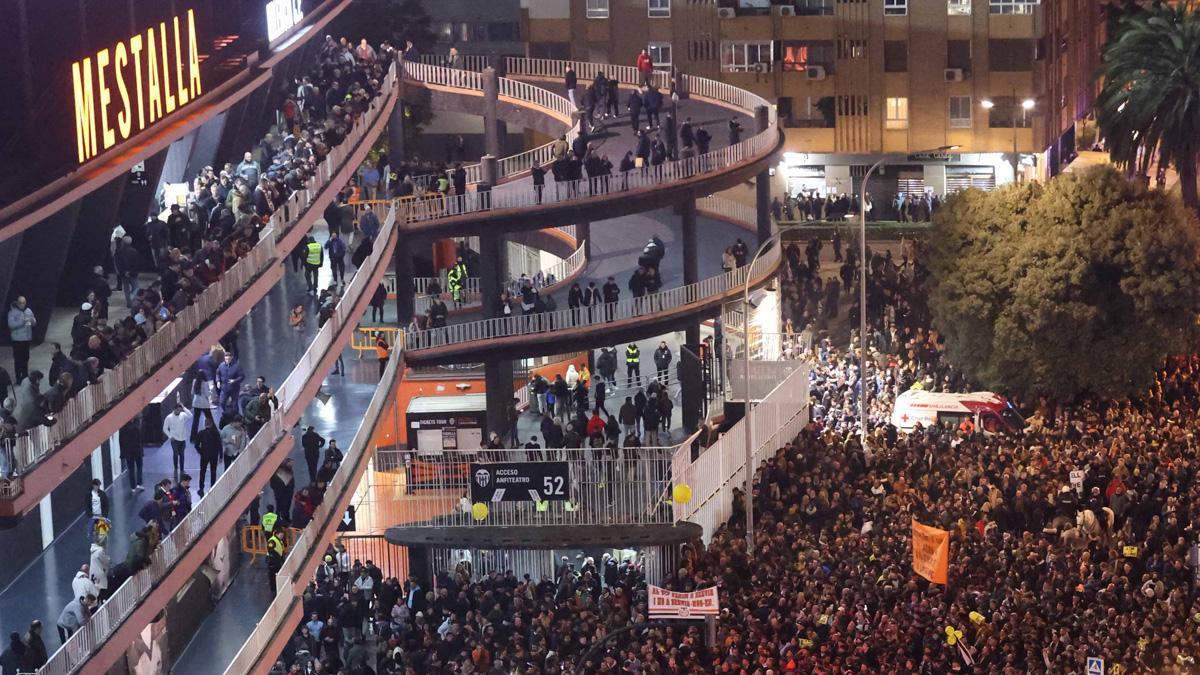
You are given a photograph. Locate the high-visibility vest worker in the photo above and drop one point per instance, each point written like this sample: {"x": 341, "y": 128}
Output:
{"x": 455, "y": 279}
{"x": 632, "y": 354}
{"x": 314, "y": 254}
{"x": 268, "y": 521}
{"x": 275, "y": 545}
{"x": 381, "y": 349}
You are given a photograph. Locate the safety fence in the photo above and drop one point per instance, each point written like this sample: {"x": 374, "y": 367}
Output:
{"x": 720, "y": 468}
{"x": 630, "y": 487}
{"x": 568, "y": 319}
{"x": 109, "y": 616}
{"x": 115, "y": 384}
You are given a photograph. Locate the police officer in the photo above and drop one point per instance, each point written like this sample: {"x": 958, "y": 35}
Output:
{"x": 269, "y": 519}
{"x": 456, "y": 278}
{"x": 313, "y": 258}
{"x": 275, "y": 551}
{"x": 633, "y": 358}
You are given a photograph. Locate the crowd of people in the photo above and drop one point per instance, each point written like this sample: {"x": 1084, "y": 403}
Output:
{"x": 217, "y": 410}
{"x": 219, "y": 222}
{"x": 1070, "y": 538}
{"x": 810, "y": 206}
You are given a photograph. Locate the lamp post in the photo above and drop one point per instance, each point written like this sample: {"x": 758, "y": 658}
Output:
{"x": 746, "y": 374}
{"x": 1026, "y": 106}
{"x": 862, "y": 291}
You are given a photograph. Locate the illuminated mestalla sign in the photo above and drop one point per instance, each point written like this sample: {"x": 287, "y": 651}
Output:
{"x": 155, "y": 73}
{"x": 281, "y": 16}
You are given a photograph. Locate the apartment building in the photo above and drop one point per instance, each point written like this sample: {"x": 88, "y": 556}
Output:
{"x": 853, "y": 79}
{"x": 1074, "y": 32}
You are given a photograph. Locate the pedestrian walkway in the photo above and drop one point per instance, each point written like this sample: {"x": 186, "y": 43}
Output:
{"x": 268, "y": 346}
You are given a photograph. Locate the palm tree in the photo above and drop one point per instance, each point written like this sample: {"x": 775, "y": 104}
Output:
{"x": 1150, "y": 101}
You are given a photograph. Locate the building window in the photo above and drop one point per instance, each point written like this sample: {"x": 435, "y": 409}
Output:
{"x": 960, "y": 112}
{"x": 798, "y": 55}
{"x": 660, "y": 54}
{"x": 958, "y": 7}
{"x": 958, "y": 55}
{"x": 1010, "y": 55}
{"x": 658, "y": 9}
{"x": 895, "y": 56}
{"x": 814, "y": 7}
{"x": 852, "y": 105}
{"x": 597, "y": 9}
{"x": 740, "y": 57}
{"x": 897, "y": 113}
{"x": 851, "y": 49}
{"x": 1012, "y": 6}
{"x": 1007, "y": 112}
{"x": 895, "y": 7}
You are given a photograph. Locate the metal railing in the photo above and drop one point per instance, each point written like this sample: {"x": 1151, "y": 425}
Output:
{"x": 631, "y": 488}
{"x": 727, "y": 208}
{"x": 135, "y": 368}
{"x": 629, "y": 308}
{"x": 720, "y": 468}
{"x": 109, "y": 616}
{"x": 472, "y": 62}
{"x": 314, "y": 535}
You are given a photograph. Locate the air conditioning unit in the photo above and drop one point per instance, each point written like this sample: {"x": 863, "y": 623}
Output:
{"x": 726, "y": 13}
{"x": 784, "y": 10}
{"x": 815, "y": 73}
{"x": 954, "y": 74}
{"x": 761, "y": 67}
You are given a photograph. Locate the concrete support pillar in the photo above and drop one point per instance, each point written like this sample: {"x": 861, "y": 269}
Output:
{"x": 583, "y": 237}
{"x": 489, "y": 169}
{"x": 493, "y": 271}
{"x": 46, "y": 521}
{"x": 691, "y": 384}
{"x": 402, "y": 265}
{"x": 762, "y": 184}
{"x": 396, "y": 145}
{"x": 497, "y": 374}
{"x": 491, "y": 121}
{"x": 498, "y": 383}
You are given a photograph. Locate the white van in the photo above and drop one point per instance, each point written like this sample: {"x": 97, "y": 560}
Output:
{"x": 990, "y": 413}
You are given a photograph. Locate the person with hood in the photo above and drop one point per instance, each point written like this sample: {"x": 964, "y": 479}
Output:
{"x": 99, "y": 564}
{"x": 28, "y": 412}
{"x": 21, "y": 321}
{"x": 10, "y": 659}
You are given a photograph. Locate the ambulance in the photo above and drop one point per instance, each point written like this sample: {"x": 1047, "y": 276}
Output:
{"x": 988, "y": 412}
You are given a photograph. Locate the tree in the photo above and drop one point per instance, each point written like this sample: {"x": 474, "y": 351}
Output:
{"x": 1085, "y": 284}
{"x": 1149, "y": 104}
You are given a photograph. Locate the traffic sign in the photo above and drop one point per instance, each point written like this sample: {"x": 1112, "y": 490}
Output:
{"x": 1095, "y": 665}
{"x": 520, "y": 482}
{"x": 348, "y": 523}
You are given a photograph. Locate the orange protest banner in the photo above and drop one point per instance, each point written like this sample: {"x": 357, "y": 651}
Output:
{"x": 931, "y": 552}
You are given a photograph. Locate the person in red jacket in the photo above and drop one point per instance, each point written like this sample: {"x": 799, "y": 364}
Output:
{"x": 645, "y": 67}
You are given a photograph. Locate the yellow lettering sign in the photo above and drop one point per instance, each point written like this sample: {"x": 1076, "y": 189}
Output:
{"x": 85, "y": 109}
{"x": 172, "y": 80}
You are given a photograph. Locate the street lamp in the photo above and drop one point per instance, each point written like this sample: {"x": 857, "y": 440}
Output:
{"x": 1026, "y": 105}
{"x": 746, "y": 373}
{"x": 862, "y": 291}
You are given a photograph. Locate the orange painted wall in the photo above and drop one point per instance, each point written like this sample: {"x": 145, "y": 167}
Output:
{"x": 388, "y": 428}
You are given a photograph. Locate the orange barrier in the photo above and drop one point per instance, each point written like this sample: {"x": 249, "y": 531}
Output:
{"x": 254, "y": 540}
{"x": 363, "y": 339}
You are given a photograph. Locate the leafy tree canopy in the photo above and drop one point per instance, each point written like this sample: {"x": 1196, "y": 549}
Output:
{"x": 1085, "y": 284}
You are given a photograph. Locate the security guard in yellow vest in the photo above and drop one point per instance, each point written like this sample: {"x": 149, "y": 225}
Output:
{"x": 313, "y": 257}
{"x": 268, "y": 521}
{"x": 456, "y": 278}
{"x": 633, "y": 358}
{"x": 275, "y": 551}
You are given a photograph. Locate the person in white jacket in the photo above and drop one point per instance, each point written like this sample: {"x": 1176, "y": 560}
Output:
{"x": 177, "y": 427}
{"x": 99, "y": 565}
{"x": 82, "y": 585}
